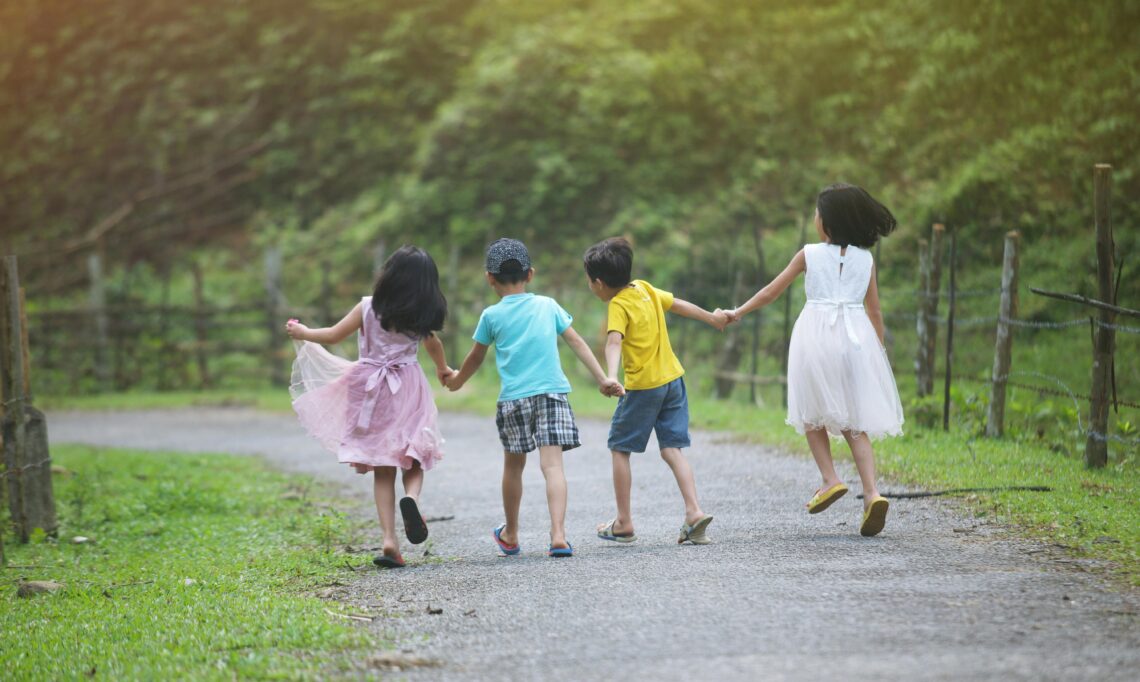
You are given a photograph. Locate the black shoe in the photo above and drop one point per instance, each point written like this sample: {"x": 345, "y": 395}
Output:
{"x": 414, "y": 525}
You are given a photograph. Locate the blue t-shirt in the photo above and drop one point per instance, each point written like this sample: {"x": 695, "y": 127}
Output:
{"x": 524, "y": 329}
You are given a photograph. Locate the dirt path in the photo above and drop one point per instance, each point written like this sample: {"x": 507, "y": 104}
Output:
{"x": 779, "y": 595}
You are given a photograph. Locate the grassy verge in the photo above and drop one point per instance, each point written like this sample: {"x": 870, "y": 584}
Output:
{"x": 1092, "y": 512}
{"x": 196, "y": 568}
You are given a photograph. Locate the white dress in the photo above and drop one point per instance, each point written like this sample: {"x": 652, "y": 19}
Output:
{"x": 839, "y": 377}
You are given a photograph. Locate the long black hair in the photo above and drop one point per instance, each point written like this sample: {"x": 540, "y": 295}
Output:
{"x": 851, "y": 216}
{"x": 407, "y": 297}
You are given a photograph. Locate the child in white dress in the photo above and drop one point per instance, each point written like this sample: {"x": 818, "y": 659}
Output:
{"x": 839, "y": 377}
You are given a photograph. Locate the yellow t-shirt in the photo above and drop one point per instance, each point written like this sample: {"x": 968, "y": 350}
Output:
{"x": 637, "y": 312}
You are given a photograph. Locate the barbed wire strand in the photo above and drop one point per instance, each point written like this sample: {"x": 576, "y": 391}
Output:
{"x": 1067, "y": 392}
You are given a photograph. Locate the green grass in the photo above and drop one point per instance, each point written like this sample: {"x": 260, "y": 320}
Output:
{"x": 197, "y": 568}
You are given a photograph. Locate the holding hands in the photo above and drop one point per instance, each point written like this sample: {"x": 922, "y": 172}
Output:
{"x": 730, "y": 316}
{"x": 611, "y": 388}
{"x": 445, "y": 374}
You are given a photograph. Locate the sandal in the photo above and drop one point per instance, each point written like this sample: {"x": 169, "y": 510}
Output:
{"x": 504, "y": 548}
{"x": 695, "y": 533}
{"x": 414, "y": 525}
{"x": 388, "y": 561}
{"x": 875, "y": 517}
{"x": 608, "y": 533}
{"x": 824, "y": 498}
{"x": 560, "y": 552}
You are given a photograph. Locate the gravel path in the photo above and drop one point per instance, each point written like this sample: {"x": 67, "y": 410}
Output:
{"x": 779, "y": 595}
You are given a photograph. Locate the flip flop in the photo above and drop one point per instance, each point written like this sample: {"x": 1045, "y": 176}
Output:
{"x": 608, "y": 533}
{"x": 504, "y": 548}
{"x": 560, "y": 552}
{"x": 386, "y": 561}
{"x": 414, "y": 525}
{"x": 695, "y": 533}
{"x": 824, "y": 498}
{"x": 875, "y": 517}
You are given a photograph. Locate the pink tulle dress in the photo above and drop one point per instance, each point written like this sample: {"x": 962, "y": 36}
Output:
{"x": 375, "y": 412}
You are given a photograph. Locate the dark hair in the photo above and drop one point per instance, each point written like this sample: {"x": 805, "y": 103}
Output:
{"x": 610, "y": 261}
{"x": 851, "y": 216}
{"x": 407, "y": 297}
{"x": 510, "y": 272}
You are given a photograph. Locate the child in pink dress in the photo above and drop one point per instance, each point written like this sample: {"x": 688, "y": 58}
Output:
{"x": 377, "y": 414}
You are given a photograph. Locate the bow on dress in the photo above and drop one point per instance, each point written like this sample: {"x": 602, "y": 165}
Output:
{"x": 840, "y": 308}
{"x": 383, "y": 372}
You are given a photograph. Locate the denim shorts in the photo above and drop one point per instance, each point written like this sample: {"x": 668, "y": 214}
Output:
{"x": 639, "y": 412}
{"x": 529, "y": 423}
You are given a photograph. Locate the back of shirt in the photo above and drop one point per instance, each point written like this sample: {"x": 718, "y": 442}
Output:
{"x": 637, "y": 312}
{"x": 524, "y": 329}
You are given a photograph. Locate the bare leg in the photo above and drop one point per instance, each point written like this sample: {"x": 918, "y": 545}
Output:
{"x": 686, "y": 482}
{"x": 413, "y": 481}
{"x": 384, "y": 489}
{"x": 551, "y": 462}
{"x": 864, "y": 456}
{"x": 820, "y": 446}
{"x": 623, "y": 481}
{"x": 513, "y": 465}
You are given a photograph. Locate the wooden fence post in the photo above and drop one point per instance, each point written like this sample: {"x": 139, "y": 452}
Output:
{"x": 27, "y": 461}
{"x": 1104, "y": 339}
{"x": 201, "y": 327}
{"x": 273, "y": 325}
{"x": 950, "y": 329}
{"x": 98, "y": 303}
{"x": 927, "y": 319}
{"x": 13, "y": 367}
{"x": 1003, "y": 345}
{"x": 732, "y": 349}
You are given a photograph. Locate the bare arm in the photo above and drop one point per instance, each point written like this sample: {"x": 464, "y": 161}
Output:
{"x": 871, "y": 305}
{"x": 607, "y": 385}
{"x": 471, "y": 363}
{"x": 434, "y": 348}
{"x": 776, "y": 287}
{"x": 695, "y": 312}
{"x": 613, "y": 354}
{"x": 328, "y": 335}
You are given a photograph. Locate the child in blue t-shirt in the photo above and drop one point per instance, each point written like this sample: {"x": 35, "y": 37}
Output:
{"x": 533, "y": 410}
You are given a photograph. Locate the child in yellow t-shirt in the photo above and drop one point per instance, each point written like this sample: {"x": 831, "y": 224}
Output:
{"x": 655, "y": 398}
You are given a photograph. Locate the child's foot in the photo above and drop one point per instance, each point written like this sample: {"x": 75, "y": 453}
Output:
{"x": 874, "y": 516}
{"x": 615, "y": 533}
{"x": 562, "y": 551}
{"x": 389, "y": 559}
{"x": 505, "y": 548}
{"x": 825, "y": 497}
{"x": 695, "y": 532}
{"x": 414, "y": 525}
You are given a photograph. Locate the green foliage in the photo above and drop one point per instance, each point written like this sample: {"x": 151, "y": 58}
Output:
{"x": 194, "y": 568}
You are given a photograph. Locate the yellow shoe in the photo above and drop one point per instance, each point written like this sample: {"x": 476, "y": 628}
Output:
{"x": 875, "y": 517}
{"x": 824, "y": 498}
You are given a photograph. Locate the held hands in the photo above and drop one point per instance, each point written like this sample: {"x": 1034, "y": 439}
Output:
{"x": 611, "y": 388}
{"x": 296, "y": 330}
{"x": 445, "y": 375}
{"x": 731, "y": 316}
{"x": 720, "y": 320}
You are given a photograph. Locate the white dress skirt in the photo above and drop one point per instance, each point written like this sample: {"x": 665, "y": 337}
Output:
{"x": 839, "y": 376}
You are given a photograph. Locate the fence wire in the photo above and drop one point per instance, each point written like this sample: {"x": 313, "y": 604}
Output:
{"x": 1063, "y": 391}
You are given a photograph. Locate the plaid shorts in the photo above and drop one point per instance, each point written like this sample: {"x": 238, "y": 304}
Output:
{"x": 529, "y": 423}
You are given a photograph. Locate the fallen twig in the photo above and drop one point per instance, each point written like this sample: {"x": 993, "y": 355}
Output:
{"x": 955, "y": 491}
{"x": 350, "y": 616}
